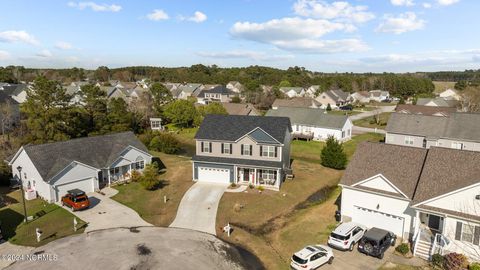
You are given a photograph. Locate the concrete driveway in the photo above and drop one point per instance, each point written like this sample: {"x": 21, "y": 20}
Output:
{"x": 105, "y": 213}
{"x": 142, "y": 248}
{"x": 366, "y": 114}
{"x": 198, "y": 208}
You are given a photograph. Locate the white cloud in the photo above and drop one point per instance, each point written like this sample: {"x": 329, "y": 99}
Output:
{"x": 17, "y": 36}
{"x": 337, "y": 10}
{"x": 297, "y": 34}
{"x": 95, "y": 7}
{"x": 447, "y": 2}
{"x": 402, "y": 23}
{"x": 253, "y": 55}
{"x": 407, "y": 3}
{"x": 158, "y": 15}
{"x": 4, "y": 55}
{"x": 427, "y": 5}
{"x": 198, "y": 17}
{"x": 44, "y": 54}
{"x": 62, "y": 45}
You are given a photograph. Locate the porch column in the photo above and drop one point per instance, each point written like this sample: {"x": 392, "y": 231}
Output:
{"x": 255, "y": 177}
{"x": 417, "y": 222}
{"x": 278, "y": 178}
{"x": 109, "y": 181}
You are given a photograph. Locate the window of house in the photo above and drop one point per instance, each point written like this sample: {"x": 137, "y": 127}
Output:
{"x": 409, "y": 140}
{"x": 139, "y": 165}
{"x": 226, "y": 148}
{"x": 467, "y": 232}
{"x": 246, "y": 149}
{"x": 268, "y": 174}
{"x": 268, "y": 151}
{"x": 297, "y": 128}
{"x": 156, "y": 124}
{"x": 206, "y": 147}
{"x": 343, "y": 134}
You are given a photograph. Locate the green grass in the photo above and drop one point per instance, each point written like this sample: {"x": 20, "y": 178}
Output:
{"x": 370, "y": 123}
{"x": 389, "y": 266}
{"x": 54, "y": 221}
{"x": 185, "y": 136}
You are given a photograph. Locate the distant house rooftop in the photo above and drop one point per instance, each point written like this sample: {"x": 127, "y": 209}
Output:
{"x": 300, "y": 102}
{"x": 311, "y": 117}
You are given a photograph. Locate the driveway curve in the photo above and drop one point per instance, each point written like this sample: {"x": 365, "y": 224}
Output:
{"x": 139, "y": 248}
{"x": 198, "y": 208}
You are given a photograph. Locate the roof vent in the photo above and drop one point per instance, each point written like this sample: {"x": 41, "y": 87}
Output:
{"x": 477, "y": 197}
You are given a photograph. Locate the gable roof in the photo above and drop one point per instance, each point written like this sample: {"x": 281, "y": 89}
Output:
{"x": 220, "y": 89}
{"x": 441, "y": 102}
{"x": 239, "y": 108}
{"x": 300, "y": 102}
{"x": 297, "y": 90}
{"x": 401, "y": 165}
{"x": 447, "y": 170}
{"x": 310, "y": 116}
{"x": 189, "y": 88}
{"x": 233, "y": 127}
{"x": 424, "y": 110}
{"x": 337, "y": 95}
{"x": 461, "y": 126}
{"x": 95, "y": 151}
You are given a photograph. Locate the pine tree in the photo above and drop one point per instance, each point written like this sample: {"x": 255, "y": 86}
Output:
{"x": 329, "y": 108}
{"x": 333, "y": 155}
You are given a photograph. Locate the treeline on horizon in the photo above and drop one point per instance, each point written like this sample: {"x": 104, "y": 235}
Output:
{"x": 399, "y": 84}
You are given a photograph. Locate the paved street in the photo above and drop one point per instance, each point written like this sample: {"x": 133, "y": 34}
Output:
{"x": 198, "y": 208}
{"x": 7, "y": 249}
{"x": 371, "y": 113}
{"x": 144, "y": 248}
{"x": 105, "y": 213}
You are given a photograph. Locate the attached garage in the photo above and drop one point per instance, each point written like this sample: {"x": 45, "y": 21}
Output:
{"x": 214, "y": 175}
{"x": 372, "y": 218}
{"x": 86, "y": 185}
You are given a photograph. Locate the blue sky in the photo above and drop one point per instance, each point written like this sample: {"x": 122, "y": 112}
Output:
{"x": 327, "y": 36}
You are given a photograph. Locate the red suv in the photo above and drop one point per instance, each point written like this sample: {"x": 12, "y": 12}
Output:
{"x": 76, "y": 199}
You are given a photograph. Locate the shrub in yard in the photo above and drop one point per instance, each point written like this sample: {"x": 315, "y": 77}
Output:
{"x": 333, "y": 155}
{"x": 135, "y": 176}
{"x": 150, "y": 178}
{"x": 474, "y": 266}
{"x": 260, "y": 188}
{"x": 251, "y": 186}
{"x": 455, "y": 261}
{"x": 402, "y": 248}
{"x": 165, "y": 142}
{"x": 146, "y": 137}
{"x": 233, "y": 185}
{"x": 437, "y": 260}
{"x": 329, "y": 108}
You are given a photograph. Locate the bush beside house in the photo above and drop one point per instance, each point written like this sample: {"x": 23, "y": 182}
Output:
{"x": 333, "y": 155}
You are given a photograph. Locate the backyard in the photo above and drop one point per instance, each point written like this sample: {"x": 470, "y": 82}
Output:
{"x": 370, "y": 122}
{"x": 54, "y": 221}
{"x": 177, "y": 179}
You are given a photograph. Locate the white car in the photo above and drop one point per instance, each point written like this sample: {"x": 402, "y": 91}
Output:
{"x": 311, "y": 257}
{"x": 346, "y": 235}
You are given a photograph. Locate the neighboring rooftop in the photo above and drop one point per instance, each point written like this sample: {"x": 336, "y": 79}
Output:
{"x": 220, "y": 89}
{"x": 337, "y": 95}
{"x": 424, "y": 110}
{"x": 462, "y": 126}
{"x": 440, "y": 102}
{"x": 297, "y": 90}
{"x": 239, "y": 108}
{"x": 299, "y": 102}
{"x": 310, "y": 116}
{"x": 189, "y": 88}
{"x": 233, "y": 127}
{"x": 95, "y": 151}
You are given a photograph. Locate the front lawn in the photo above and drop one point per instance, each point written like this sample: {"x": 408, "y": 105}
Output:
{"x": 339, "y": 112}
{"x": 369, "y": 122}
{"x": 54, "y": 221}
{"x": 149, "y": 204}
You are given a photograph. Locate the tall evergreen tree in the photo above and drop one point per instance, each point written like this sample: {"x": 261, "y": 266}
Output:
{"x": 333, "y": 155}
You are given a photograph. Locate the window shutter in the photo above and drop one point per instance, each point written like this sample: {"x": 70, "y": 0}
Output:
{"x": 241, "y": 150}
{"x": 276, "y": 151}
{"x": 261, "y": 148}
{"x": 222, "y": 148}
{"x": 201, "y": 147}
{"x": 458, "y": 231}
{"x": 231, "y": 149}
{"x": 476, "y": 235}
{"x": 210, "y": 148}
{"x": 250, "y": 150}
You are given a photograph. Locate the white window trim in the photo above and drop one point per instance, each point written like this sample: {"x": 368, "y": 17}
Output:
{"x": 268, "y": 151}
{"x": 226, "y": 148}
{"x": 268, "y": 174}
{"x": 464, "y": 225}
{"x": 206, "y": 147}
{"x": 246, "y": 150}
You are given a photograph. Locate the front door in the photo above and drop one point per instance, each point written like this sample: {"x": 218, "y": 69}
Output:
{"x": 246, "y": 175}
{"x": 434, "y": 222}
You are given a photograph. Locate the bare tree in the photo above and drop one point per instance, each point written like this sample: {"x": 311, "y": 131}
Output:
{"x": 7, "y": 115}
{"x": 470, "y": 101}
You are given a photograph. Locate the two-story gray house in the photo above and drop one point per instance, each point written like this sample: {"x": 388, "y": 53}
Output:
{"x": 245, "y": 150}
{"x": 458, "y": 131}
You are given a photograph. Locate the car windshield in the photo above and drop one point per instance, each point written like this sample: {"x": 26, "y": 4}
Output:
{"x": 299, "y": 260}
{"x": 80, "y": 199}
{"x": 338, "y": 236}
{"x": 370, "y": 241}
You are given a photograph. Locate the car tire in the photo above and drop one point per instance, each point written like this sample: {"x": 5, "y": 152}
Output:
{"x": 380, "y": 256}
{"x": 352, "y": 246}
{"x": 330, "y": 261}
{"x": 393, "y": 241}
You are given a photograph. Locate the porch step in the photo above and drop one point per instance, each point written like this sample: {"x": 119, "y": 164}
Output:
{"x": 423, "y": 249}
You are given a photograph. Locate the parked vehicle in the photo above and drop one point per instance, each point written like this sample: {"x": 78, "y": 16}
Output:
{"x": 76, "y": 199}
{"x": 346, "y": 235}
{"x": 376, "y": 241}
{"x": 312, "y": 257}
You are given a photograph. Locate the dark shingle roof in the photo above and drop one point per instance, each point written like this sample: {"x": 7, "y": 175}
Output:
{"x": 310, "y": 116}
{"x": 238, "y": 161}
{"x": 401, "y": 165}
{"x": 447, "y": 170}
{"x": 96, "y": 151}
{"x": 461, "y": 126}
{"x": 233, "y": 127}
{"x": 216, "y": 90}
{"x": 301, "y": 102}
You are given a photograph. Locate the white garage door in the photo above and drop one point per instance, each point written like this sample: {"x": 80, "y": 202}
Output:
{"x": 372, "y": 218}
{"x": 214, "y": 175}
{"x": 84, "y": 185}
